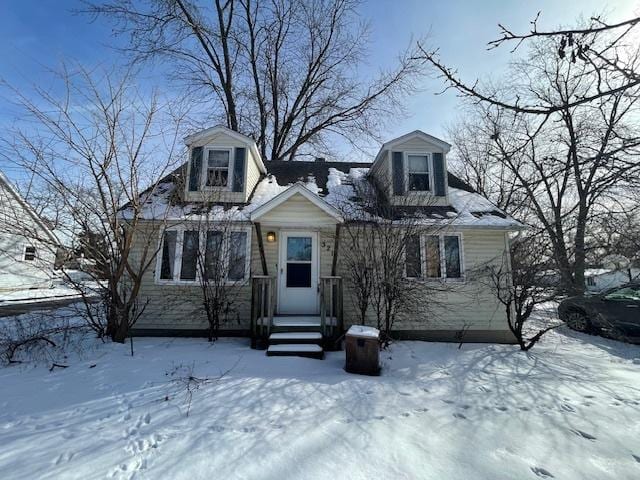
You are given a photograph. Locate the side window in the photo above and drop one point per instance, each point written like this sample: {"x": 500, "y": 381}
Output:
{"x": 213, "y": 255}
{"x": 418, "y": 168}
{"x": 433, "y": 256}
{"x": 413, "y": 258}
{"x": 190, "y": 247}
{"x": 168, "y": 255}
{"x": 29, "y": 253}
{"x": 452, "y": 256}
{"x": 217, "y": 168}
{"x": 237, "y": 256}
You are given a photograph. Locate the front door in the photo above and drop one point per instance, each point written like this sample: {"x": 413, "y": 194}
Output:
{"x": 298, "y": 276}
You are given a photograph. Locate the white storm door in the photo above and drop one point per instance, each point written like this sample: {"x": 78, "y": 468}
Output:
{"x": 298, "y": 275}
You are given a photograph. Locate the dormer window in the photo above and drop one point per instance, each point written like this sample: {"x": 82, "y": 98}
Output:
{"x": 217, "y": 172}
{"x": 418, "y": 171}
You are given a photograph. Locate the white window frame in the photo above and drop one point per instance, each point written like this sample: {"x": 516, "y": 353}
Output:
{"x": 443, "y": 262}
{"x": 429, "y": 156}
{"x": 443, "y": 255}
{"x": 24, "y": 253}
{"x": 205, "y": 167}
{"x": 177, "y": 262}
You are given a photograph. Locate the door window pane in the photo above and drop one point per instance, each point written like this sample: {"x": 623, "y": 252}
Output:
{"x": 413, "y": 259}
{"x": 168, "y": 255}
{"x": 237, "y": 255}
{"x": 299, "y": 249}
{"x": 213, "y": 256}
{"x": 433, "y": 256}
{"x": 452, "y": 256}
{"x": 190, "y": 245}
{"x": 299, "y": 275}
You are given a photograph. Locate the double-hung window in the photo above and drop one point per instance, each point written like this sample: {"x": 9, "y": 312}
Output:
{"x": 419, "y": 175}
{"x": 217, "y": 171}
{"x": 434, "y": 257}
{"x": 188, "y": 255}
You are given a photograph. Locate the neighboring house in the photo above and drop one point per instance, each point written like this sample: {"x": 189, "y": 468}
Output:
{"x": 286, "y": 250}
{"x": 27, "y": 244}
{"x": 599, "y": 279}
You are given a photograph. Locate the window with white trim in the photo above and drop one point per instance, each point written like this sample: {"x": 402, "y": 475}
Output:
{"x": 419, "y": 173}
{"x": 217, "y": 168}
{"x": 434, "y": 257}
{"x": 187, "y": 254}
{"x": 29, "y": 253}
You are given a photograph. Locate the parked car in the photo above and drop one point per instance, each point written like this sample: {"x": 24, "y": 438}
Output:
{"x": 615, "y": 311}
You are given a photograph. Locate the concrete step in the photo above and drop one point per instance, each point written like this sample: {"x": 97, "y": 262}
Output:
{"x": 282, "y": 338}
{"x": 296, "y": 350}
{"x": 297, "y": 321}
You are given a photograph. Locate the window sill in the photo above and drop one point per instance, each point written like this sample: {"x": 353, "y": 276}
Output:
{"x": 460, "y": 280}
{"x": 196, "y": 283}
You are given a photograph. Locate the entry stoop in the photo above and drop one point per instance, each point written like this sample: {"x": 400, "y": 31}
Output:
{"x": 296, "y": 336}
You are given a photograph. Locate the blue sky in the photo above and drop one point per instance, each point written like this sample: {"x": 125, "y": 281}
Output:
{"x": 38, "y": 34}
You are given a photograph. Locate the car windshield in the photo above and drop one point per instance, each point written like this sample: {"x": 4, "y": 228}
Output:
{"x": 631, "y": 292}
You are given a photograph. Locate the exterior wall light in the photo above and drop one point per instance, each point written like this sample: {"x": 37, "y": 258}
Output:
{"x": 271, "y": 237}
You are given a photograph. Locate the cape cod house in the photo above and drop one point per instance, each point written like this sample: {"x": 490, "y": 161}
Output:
{"x": 27, "y": 244}
{"x": 284, "y": 248}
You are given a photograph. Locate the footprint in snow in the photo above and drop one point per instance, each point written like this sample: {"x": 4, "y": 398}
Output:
{"x": 379, "y": 417}
{"x": 422, "y": 410}
{"x": 567, "y": 408}
{"x": 460, "y": 416}
{"x": 448, "y": 401}
{"x": 636, "y": 458}
{"x": 217, "y": 428}
{"x": 541, "y": 472}
{"x": 63, "y": 458}
{"x": 582, "y": 434}
{"x": 502, "y": 408}
{"x": 406, "y": 414}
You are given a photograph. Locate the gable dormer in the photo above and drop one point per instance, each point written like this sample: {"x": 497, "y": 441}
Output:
{"x": 224, "y": 166}
{"x": 412, "y": 169}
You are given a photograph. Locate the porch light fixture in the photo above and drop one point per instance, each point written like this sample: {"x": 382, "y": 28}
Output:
{"x": 271, "y": 237}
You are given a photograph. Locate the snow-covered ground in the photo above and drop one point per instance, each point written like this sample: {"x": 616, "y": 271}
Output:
{"x": 570, "y": 409}
{"x": 37, "y": 295}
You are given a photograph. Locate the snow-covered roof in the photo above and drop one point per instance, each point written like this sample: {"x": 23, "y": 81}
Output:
{"x": 338, "y": 188}
{"x": 8, "y": 187}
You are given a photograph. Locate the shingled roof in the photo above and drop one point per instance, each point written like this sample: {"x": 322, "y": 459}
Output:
{"x": 289, "y": 173}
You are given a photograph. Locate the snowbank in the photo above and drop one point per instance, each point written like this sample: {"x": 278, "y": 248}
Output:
{"x": 569, "y": 409}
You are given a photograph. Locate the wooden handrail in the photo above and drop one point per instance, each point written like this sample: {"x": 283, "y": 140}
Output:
{"x": 331, "y": 305}
{"x": 262, "y": 306}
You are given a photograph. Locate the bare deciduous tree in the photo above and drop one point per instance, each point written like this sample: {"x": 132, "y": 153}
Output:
{"x": 289, "y": 73}
{"x": 518, "y": 282}
{"x": 382, "y": 257}
{"x": 102, "y": 148}
{"x": 570, "y": 165}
